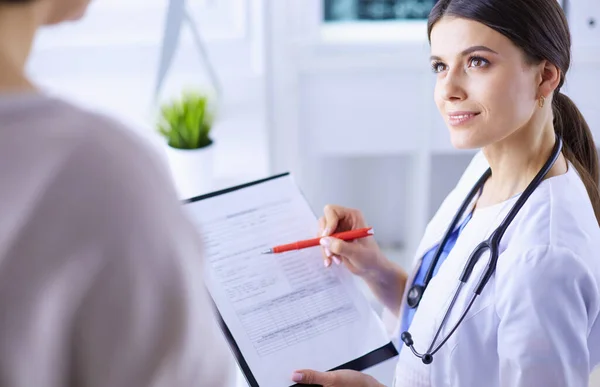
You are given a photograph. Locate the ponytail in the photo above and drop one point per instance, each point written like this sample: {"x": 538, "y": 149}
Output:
{"x": 579, "y": 147}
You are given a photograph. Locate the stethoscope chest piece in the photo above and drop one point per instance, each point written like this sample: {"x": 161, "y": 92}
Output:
{"x": 414, "y": 296}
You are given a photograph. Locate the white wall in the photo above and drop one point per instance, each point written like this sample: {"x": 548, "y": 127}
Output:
{"x": 595, "y": 379}
{"x": 108, "y": 61}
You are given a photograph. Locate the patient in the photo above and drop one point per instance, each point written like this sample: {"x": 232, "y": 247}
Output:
{"x": 100, "y": 273}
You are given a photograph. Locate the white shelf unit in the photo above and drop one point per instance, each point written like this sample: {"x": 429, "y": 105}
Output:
{"x": 352, "y": 116}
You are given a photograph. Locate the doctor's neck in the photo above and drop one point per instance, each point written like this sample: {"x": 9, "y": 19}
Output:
{"x": 517, "y": 159}
{"x": 18, "y": 26}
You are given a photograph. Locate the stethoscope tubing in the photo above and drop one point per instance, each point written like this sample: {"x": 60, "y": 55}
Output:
{"x": 492, "y": 244}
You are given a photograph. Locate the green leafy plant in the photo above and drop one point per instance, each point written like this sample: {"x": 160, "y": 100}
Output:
{"x": 186, "y": 122}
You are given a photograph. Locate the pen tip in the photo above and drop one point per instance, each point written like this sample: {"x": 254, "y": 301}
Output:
{"x": 270, "y": 251}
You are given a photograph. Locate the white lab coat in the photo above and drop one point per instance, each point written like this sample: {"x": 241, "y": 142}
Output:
{"x": 537, "y": 321}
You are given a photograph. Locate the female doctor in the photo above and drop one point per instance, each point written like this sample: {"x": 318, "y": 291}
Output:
{"x": 523, "y": 308}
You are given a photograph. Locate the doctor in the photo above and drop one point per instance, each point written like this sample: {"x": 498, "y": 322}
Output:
{"x": 527, "y": 312}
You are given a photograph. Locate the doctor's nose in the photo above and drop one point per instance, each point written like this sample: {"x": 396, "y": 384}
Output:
{"x": 451, "y": 88}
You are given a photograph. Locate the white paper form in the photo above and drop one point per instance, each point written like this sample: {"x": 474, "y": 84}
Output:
{"x": 285, "y": 311}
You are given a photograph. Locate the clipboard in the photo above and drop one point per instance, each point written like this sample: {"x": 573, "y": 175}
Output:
{"x": 361, "y": 363}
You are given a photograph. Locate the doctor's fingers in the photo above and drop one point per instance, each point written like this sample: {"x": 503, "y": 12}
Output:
{"x": 340, "y": 248}
{"x": 338, "y": 218}
{"x": 331, "y": 219}
{"x": 327, "y": 256}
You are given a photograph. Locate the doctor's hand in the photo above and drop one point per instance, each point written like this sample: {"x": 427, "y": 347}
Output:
{"x": 341, "y": 378}
{"x": 361, "y": 256}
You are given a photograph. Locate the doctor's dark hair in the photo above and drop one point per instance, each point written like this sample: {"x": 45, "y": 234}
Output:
{"x": 541, "y": 30}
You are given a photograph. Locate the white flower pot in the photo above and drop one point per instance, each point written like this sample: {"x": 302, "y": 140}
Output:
{"x": 192, "y": 170}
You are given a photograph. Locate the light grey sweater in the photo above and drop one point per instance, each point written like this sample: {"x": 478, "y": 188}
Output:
{"x": 100, "y": 271}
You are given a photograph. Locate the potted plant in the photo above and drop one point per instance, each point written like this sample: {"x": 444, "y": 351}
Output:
{"x": 186, "y": 123}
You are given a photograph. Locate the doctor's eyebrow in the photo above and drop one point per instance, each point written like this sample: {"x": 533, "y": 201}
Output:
{"x": 468, "y": 51}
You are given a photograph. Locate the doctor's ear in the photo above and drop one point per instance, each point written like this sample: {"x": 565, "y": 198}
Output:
{"x": 548, "y": 79}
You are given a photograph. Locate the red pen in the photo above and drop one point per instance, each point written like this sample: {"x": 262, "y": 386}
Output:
{"x": 346, "y": 236}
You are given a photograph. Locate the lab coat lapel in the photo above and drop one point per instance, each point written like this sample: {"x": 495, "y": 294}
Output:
{"x": 439, "y": 223}
{"x": 433, "y": 235}
{"x": 435, "y": 231}
{"x": 437, "y": 228}
{"x": 409, "y": 282}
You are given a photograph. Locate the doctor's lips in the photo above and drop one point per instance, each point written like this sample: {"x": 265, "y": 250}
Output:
{"x": 460, "y": 118}
{"x": 345, "y": 236}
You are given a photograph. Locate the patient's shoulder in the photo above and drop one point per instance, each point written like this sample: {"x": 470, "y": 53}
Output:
{"x": 109, "y": 163}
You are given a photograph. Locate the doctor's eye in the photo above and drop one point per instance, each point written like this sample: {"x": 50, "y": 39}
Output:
{"x": 477, "y": 61}
{"x": 437, "y": 67}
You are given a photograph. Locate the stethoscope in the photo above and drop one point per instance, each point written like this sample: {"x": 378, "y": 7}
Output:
{"x": 491, "y": 244}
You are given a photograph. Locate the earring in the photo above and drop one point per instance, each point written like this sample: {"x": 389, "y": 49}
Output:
{"x": 542, "y": 100}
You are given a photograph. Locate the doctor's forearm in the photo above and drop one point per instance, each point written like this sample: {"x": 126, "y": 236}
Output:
{"x": 387, "y": 284}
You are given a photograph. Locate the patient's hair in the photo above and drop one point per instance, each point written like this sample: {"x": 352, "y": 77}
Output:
{"x": 540, "y": 29}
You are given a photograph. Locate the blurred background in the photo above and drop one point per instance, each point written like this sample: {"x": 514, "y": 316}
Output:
{"x": 338, "y": 92}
